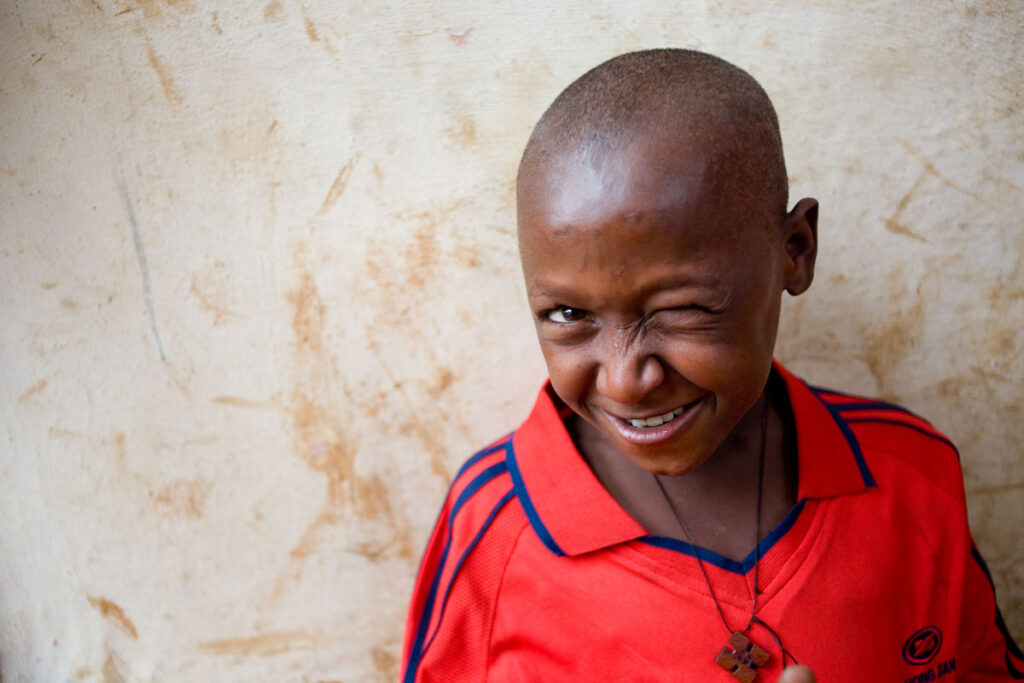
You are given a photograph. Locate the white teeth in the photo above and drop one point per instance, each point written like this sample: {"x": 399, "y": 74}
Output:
{"x": 657, "y": 420}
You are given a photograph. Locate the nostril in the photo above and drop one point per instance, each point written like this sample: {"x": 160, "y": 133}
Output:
{"x": 629, "y": 379}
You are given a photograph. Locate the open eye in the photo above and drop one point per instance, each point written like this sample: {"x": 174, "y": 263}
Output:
{"x": 565, "y": 314}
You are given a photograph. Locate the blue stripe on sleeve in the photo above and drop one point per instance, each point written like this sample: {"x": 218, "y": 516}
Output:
{"x": 472, "y": 544}
{"x": 417, "y": 650}
{"x": 1011, "y": 646}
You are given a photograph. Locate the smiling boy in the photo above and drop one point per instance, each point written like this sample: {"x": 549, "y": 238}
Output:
{"x": 678, "y": 506}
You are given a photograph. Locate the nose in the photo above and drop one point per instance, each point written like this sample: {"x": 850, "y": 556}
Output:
{"x": 628, "y": 372}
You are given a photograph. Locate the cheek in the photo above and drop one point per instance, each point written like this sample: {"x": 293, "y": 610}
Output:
{"x": 569, "y": 372}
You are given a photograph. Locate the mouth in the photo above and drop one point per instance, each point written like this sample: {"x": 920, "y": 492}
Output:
{"x": 657, "y": 420}
{"x": 656, "y": 429}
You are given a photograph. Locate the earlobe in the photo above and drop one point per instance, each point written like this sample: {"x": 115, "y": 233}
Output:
{"x": 801, "y": 235}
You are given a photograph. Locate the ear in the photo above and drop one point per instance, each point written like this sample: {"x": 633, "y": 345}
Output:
{"x": 800, "y": 232}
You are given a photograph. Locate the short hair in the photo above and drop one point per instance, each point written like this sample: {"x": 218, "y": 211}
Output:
{"x": 665, "y": 90}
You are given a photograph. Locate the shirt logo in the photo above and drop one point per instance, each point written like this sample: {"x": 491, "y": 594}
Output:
{"x": 922, "y": 647}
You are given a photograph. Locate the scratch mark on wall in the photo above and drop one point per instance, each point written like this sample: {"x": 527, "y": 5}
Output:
{"x": 113, "y": 669}
{"x": 39, "y": 59}
{"x": 140, "y": 255}
{"x": 209, "y": 297}
{"x": 888, "y": 340}
{"x": 929, "y": 167}
{"x": 338, "y": 186}
{"x": 113, "y": 612}
{"x": 242, "y": 402}
{"x": 164, "y": 74}
{"x": 263, "y": 645}
{"x": 152, "y": 8}
{"x": 892, "y": 223}
{"x": 34, "y": 389}
{"x": 426, "y": 436}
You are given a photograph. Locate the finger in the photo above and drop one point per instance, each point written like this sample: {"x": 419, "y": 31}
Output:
{"x": 797, "y": 674}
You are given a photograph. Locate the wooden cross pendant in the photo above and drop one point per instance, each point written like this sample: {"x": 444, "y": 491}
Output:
{"x": 742, "y": 657}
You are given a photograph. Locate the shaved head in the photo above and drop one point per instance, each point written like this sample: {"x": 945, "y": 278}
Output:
{"x": 674, "y": 95}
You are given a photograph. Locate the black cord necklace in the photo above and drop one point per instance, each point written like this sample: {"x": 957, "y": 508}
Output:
{"x": 742, "y": 657}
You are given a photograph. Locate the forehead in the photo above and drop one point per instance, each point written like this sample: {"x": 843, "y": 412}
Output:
{"x": 682, "y": 182}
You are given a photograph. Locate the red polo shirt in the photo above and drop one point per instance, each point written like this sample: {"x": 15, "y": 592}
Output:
{"x": 535, "y": 573}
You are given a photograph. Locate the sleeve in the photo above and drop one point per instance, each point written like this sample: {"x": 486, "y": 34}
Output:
{"x": 450, "y": 613}
{"x": 987, "y": 651}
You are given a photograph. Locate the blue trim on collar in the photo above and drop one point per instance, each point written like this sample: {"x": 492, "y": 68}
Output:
{"x": 899, "y": 423}
{"x": 725, "y": 563}
{"x": 524, "y": 499}
{"x": 851, "y": 438}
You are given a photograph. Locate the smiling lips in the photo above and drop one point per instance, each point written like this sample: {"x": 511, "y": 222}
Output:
{"x": 657, "y": 420}
{"x": 656, "y": 429}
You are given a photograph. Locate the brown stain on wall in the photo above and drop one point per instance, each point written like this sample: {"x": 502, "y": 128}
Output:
{"x": 338, "y": 186}
{"x": 185, "y": 496}
{"x": 443, "y": 378}
{"x": 154, "y": 8}
{"x": 322, "y": 444}
{"x": 119, "y": 444}
{"x": 164, "y": 74}
{"x": 323, "y": 447}
{"x": 894, "y": 334}
{"x": 307, "y": 320}
{"x": 421, "y": 255}
{"x": 263, "y": 645}
{"x": 209, "y": 292}
{"x": 115, "y": 614}
{"x": 33, "y": 390}
{"x": 463, "y": 131}
{"x": 310, "y": 26}
{"x": 414, "y": 424}
{"x": 273, "y": 11}
{"x": 385, "y": 662}
{"x": 241, "y": 402}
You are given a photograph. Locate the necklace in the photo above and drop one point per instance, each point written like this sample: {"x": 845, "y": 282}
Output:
{"x": 741, "y": 657}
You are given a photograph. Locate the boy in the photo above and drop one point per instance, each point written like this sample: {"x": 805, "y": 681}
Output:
{"x": 678, "y": 506}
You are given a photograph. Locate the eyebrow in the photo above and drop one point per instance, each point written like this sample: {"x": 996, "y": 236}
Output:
{"x": 552, "y": 292}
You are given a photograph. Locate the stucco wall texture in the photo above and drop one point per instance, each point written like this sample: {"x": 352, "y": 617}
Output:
{"x": 260, "y": 293}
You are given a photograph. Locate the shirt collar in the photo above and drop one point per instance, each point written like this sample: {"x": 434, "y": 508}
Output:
{"x": 573, "y": 513}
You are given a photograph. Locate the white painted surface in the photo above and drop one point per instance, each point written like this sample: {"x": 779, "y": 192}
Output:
{"x": 260, "y": 292}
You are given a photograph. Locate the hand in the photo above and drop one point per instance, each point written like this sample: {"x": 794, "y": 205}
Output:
{"x": 797, "y": 674}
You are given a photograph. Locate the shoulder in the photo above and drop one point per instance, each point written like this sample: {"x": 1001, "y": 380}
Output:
{"x": 460, "y": 574}
{"x": 894, "y": 440}
{"x": 480, "y": 490}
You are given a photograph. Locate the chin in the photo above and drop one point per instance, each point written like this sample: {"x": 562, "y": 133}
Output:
{"x": 665, "y": 466}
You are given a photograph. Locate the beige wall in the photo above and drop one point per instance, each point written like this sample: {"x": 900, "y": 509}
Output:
{"x": 260, "y": 292}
